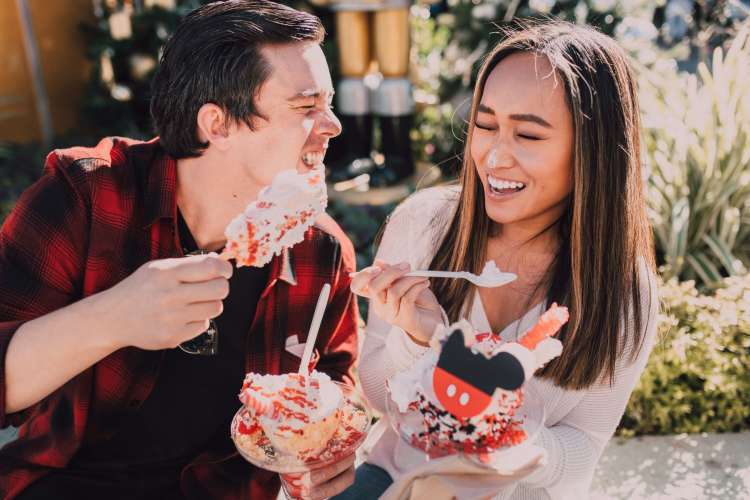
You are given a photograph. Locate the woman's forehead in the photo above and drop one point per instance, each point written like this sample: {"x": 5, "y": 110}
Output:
{"x": 522, "y": 82}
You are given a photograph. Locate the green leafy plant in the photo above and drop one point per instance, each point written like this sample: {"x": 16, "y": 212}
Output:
{"x": 697, "y": 142}
{"x": 697, "y": 378}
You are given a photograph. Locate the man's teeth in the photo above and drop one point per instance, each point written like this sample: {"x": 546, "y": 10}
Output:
{"x": 503, "y": 184}
{"x": 312, "y": 159}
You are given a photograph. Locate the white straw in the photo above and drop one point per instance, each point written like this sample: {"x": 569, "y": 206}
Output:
{"x": 312, "y": 335}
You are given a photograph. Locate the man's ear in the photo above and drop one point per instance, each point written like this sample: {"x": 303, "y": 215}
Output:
{"x": 212, "y": 127}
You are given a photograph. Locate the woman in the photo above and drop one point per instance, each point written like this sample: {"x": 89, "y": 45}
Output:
{"x": 551, "y": 190}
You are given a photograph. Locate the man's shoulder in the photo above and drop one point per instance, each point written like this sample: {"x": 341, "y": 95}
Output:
{"x": 326, "y": 239}
{"x": 106, "y": 159}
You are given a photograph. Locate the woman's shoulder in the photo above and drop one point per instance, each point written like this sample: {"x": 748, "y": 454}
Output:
{"x": 418, "y": 224}
{"x": 640, "y": 343}
{"x": 429, "y": 205}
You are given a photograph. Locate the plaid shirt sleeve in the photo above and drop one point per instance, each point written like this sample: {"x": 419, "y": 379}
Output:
{"x": 42, "y": 249}
{"x": 340, "y": 322}
{"x": 339, "y": 326}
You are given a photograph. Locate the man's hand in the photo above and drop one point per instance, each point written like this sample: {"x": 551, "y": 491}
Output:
{"x": 162, "y": 304}
{"x": 165, "y": 302}
{"x": 321, "y": 483}
{"x": 406, "y": 302}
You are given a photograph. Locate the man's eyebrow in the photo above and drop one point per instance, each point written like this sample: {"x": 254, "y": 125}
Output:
{"x": 519, "y": 117}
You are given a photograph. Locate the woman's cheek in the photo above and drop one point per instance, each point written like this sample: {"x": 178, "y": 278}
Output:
{"x": 479, "y": 147}
{"x": 530, "y": 159}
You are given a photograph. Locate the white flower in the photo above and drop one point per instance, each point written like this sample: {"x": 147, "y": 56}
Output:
{"x": 484, "y": 11}
{"x": 633, "y": 30}
{"x": 543, "y": 6}
{"x": 603, "y": 5}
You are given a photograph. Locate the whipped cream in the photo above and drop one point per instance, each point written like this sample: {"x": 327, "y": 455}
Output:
{"x": 290, "y": 402}
{"x": 278, "y": 219}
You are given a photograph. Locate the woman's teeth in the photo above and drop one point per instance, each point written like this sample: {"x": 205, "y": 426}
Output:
{"x": 505, "y": 185}
{"x": 312, "y": 159}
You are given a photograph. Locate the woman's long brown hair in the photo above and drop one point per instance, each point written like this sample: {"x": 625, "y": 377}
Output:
{"x": 604, "y": 231}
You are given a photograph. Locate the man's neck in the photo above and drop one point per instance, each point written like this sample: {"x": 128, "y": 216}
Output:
{"x": 210, "y": 193}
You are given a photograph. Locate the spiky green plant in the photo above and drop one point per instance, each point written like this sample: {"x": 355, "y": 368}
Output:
{"x": 697, "y": 145}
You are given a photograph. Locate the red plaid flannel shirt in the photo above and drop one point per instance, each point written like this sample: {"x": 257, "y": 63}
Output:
{"x": 94, "y": 217}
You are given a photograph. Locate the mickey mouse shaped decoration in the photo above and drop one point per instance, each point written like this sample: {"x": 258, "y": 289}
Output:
{"x": 465, "y": 394}
{"x": 466, "y": 380}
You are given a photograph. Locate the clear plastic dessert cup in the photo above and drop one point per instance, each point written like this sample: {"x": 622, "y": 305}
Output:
{"x": 255, "y": 447}
{"x": 526, "y": 422}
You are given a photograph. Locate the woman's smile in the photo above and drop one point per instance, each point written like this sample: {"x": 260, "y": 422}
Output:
{"x": 502, "y": 188}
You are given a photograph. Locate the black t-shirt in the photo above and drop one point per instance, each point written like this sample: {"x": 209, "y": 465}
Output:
{"x": 195, "y": 396}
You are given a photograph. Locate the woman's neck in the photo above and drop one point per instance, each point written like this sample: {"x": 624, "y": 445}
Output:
{"x": 527, "y": 255}
{"x": 513, "y": 244}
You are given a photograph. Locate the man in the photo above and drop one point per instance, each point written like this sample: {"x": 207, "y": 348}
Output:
{"x": 96, "y": 293}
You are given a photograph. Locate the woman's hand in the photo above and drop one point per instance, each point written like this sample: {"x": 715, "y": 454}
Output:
{"x": 406, "y": 302}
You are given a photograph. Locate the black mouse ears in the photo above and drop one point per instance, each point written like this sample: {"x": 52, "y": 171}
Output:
{"x": 502, "y": 370}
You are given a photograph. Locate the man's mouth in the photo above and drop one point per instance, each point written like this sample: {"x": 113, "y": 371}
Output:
{"x": 504, "y": 186}
{"x": 312, "y": 159}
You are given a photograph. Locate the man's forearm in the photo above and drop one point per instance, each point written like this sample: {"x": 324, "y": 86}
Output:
{"x": 50, "y": 350}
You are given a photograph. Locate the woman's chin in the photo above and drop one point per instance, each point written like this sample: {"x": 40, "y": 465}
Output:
{"x": 501, "y": 216}
{"x": 500, "y": 213}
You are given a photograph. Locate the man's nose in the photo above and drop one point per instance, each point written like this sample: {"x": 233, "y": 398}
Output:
{"x": 328, "y": 124}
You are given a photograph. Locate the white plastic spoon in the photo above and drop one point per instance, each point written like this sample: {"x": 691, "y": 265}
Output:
{"x": 490, "y": 277}
{"x": 312, "y": 335}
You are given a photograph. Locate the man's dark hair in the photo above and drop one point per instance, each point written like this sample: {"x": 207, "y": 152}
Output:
{"x": 214, "y": 56}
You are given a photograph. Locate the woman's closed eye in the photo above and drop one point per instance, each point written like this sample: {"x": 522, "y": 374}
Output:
{"x": 529, "y": 137}
{"x": 525, "y": 136}
{"x": 484, "y": 126}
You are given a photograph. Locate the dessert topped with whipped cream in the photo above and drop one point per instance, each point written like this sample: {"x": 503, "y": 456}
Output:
{"x": 278, "y": 219}
{"x": 467, "y": 389}
{"x": 298, "y": 413}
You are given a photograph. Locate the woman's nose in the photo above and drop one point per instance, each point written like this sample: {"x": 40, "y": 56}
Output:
{"x": 499, "y": 157}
